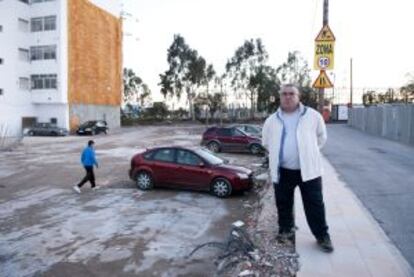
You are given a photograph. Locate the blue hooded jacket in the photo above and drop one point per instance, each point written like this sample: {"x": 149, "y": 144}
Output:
{"x": 88, "y": 157}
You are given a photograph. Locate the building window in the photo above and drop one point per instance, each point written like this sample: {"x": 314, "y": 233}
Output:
{"x": 47, "y": 52}
{"x": 1, "y": 28}
{"x": 24, "y": 83}
{"x": 39, "y": 24}
{"x": 44, "y": 81}
{"x": 1, "y": 61}
{"x": 50, "y": 23}
{"x": 50, "y": 52}
{"x": 23, "y": 25}
{"x": 53, "y": 120}
{"x": 24, "y": 55}
{"x": 36, "y": 24}
{"x": 24, "y": 1}
{"x": 36, "y": 53}
{"x": 1, "y": 91}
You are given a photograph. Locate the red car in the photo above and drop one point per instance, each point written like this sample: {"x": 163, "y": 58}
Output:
{"x": 231, "y": 139}
{"x": 195, "y": 169}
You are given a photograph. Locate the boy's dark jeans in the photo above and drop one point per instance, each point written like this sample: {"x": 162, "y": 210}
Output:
{"x": 90, "y": 176}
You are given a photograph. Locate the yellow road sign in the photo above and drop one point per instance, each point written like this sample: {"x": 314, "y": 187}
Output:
{"x": 324, "y": 49}
{"x": 325, "y": 34}
{"x": 322, "y": 81}
{"x": 324, "y": 55}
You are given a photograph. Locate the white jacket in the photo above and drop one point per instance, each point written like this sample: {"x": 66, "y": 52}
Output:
{"x": 311, "y": 136}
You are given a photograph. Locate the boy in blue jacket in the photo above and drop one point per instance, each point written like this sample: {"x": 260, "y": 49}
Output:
{"x": 88, "y": 160}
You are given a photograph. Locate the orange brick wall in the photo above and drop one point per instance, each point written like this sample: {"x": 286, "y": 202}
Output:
{"x": 95, "y": 55}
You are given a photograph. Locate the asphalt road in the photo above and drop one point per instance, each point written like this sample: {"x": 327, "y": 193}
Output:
{"x": 381, "y": 173}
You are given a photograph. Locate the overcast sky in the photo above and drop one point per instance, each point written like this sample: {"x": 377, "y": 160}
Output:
{"x": 378, "y": 35}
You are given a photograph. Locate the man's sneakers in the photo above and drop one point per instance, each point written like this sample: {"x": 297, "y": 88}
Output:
{"x": 285, "y": 235}
{"x": 77, "y": 189}
{"x": 325, "y": 244}
{"x": 96, "y": 188}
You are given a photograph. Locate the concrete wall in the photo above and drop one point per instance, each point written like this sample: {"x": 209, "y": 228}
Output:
{"x": 395, "y": 122}
{"x": 80, "y": 113}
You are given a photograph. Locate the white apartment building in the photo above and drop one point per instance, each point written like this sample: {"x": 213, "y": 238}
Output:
{"x": 40, "y": 55}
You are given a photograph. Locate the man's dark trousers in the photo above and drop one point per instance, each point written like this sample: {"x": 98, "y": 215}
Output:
{"x": 312, "y": 201}
{"x": 90, "y": 176}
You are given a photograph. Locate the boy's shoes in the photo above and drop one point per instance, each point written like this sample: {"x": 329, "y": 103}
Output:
{"x": 77, "y": 189}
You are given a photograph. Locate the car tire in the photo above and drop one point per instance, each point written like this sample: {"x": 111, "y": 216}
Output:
{"x": 93, "y": 132}
{"x": 221, "y": 187}
{"x": 144, "y": 180}
{"x": 31, "y": 133}
{"x": 54, "y": 134}
{"x": 255, "y": 149}
{"x": 213, "y": 147}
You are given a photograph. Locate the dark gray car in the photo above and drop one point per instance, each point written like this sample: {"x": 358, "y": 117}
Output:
{"x": 46, "y": 129}
{"x": 93, "y": 127}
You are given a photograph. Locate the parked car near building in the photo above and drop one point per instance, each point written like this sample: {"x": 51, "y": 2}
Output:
{"x": 231, "y": 139}
{"x": 93, "y": 127}
{"x": 46, "y": 129}
{"x": 188, "y": 168}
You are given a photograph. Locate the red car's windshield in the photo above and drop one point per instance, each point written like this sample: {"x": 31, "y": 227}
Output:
{"x": 209, "y": 157}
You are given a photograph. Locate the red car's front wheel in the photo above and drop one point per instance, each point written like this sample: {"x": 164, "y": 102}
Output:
{"x": 144, "y": 180}
{"x": 221, "y": 187}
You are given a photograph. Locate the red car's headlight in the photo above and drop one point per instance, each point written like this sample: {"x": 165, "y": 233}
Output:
{"x": 243, "y": 175}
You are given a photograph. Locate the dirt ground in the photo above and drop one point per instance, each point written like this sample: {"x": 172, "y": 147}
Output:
{"x": 48, "y": 230}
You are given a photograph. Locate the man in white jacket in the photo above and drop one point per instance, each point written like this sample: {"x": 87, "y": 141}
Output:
{"x": 293, "y": 137}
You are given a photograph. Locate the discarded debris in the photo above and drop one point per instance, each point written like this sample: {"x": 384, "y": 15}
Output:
{"x": 238, "y": 224}
{"x": 238, "y": 242}
{"x": 241, "y": 256}
{"x": 246, "y": 273}
{"x": 237, "y": 248}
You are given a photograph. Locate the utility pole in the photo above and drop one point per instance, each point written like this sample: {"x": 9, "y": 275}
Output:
{"x": 351, "y": 85}
{"x": 325, "y": 12}
{"x": 333, "y": 89}
{"x": 221, "y": 103}
{"x": 324, "y": 23}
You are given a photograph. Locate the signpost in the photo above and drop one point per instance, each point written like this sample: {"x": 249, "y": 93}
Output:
{"x": 324, "y": 49}
{"x": 323, "y": 60}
